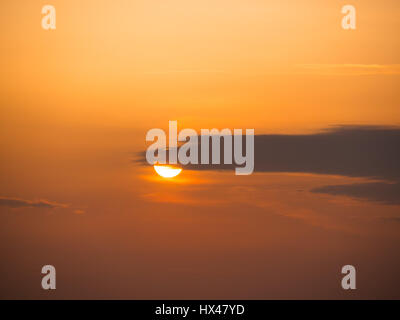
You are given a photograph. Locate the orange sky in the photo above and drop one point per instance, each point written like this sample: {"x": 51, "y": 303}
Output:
{"x": 140, "y": 63}
{"x": 77, "y": 102}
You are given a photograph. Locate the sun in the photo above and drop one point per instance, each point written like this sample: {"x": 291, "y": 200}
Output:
{"x": 167, "y": 171}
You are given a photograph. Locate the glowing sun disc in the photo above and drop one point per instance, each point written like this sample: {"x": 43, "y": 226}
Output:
{"x": 167, "y": 171}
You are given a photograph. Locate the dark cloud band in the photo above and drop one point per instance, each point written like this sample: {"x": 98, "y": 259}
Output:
{"x": 354, "y": 151}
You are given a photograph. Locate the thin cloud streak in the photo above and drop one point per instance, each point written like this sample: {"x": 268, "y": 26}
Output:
{"x": 385, "y": 193}
{"x": 20, "y": 203}
{"x": 349, "y": 69}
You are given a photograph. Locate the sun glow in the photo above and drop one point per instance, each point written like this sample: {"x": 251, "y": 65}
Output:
{"x": 167, "y": 171}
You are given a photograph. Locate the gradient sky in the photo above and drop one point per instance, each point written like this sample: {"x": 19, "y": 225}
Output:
{"x": 76, "y": 104}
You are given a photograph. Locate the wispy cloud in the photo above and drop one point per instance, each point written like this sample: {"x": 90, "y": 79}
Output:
{"x": 19, "y": 203}
{"x": 349, "y": 69}
{"x": 387, "y": 193}
{"x": 183, "y": 71}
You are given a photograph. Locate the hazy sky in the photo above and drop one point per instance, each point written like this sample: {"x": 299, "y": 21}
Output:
{"x": 76, "y": 103}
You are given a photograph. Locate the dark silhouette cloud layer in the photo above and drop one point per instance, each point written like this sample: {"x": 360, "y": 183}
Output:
{"x": 354, "y": 151}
